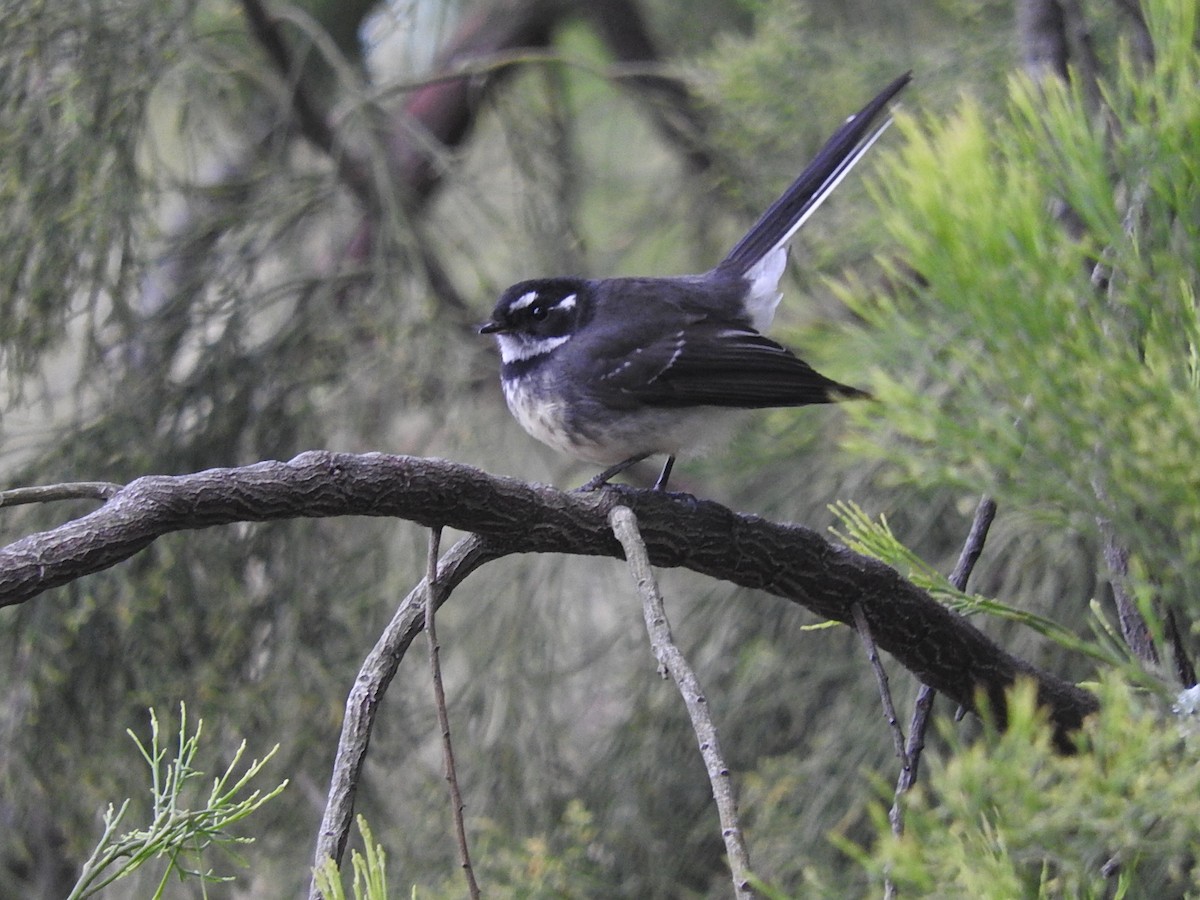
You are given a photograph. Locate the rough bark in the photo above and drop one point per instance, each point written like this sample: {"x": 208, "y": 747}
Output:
{"x": 940, "y": 647}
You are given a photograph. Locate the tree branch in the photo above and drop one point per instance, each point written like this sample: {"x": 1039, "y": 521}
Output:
{"x": 1042, "y": 33}
{"x": 75, "y": 490}
{"x": 881, "y": 678}
{"x": 1134, "y": 627}
{"x": 672, "y": 661}
{"x": 940, "y": 647}
{"x": 374, "y": 676}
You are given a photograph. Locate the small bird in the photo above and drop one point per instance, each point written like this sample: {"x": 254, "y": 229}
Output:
{"x": 614, "y": 370}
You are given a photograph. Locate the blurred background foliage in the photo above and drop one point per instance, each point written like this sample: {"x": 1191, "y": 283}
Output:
{"x": 193, "y": 278}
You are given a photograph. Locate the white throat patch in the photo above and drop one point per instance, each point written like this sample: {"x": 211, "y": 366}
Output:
{"x": 515, "y": 347}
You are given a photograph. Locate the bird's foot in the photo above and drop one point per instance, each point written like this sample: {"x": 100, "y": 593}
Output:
{"x": 602, "y": 479}
{"x": 691, "y": 501}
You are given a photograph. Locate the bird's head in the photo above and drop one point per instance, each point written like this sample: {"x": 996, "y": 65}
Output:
{"x": 533, "y": 318}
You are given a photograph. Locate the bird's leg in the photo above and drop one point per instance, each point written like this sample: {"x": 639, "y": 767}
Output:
{"x": 661, "y": 484}
{"x": 612, "y": 471}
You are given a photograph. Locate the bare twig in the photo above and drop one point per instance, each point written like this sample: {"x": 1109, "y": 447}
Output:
{"x": 374, "y": 676}
{"x": 1134, "y": 627}
{"x": 474, "y": 67}
{"x": 1185, "y": 671}
{"x": 48, "y": 493}
{"x": 885, "y": 694}
{"x": 670, "y": 658}
{"x": 922, "y": 707}
{"x": 889, "y": 712}
{"x": 985, "y": 512}
{"x": 433, "y": 589}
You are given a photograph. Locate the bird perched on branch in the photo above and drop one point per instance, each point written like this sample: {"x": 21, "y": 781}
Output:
{"x": 614, "y": 370}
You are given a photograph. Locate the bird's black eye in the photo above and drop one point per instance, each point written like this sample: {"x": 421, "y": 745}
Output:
{"x": 539, "y": 311}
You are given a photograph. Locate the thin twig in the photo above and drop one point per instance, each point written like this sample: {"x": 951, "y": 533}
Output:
{"x": 889, "y": 711}
{"x": 432, "y": 592}
{"x": 922, "y": 707}
{"x": 48, "y": 493}
{"x": 985, "y": 512}
{"x": 1134, "y": 627}
{"x": 476, "y": 66}
{"x": 671, "y": 659}
{"x": 885, "y": 694}
{"x": 1185, "y": 671}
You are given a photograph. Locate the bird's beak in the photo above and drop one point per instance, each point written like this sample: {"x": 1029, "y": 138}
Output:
{"x": 491, "y": 327}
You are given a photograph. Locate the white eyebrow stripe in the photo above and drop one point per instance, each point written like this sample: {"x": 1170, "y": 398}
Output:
{"x": 524, "y": 300}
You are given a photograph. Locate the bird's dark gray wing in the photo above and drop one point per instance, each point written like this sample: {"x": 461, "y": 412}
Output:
{"x": 710, "y": 364}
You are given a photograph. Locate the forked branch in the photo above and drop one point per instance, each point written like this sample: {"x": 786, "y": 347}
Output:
{"x": 940, "y": 647}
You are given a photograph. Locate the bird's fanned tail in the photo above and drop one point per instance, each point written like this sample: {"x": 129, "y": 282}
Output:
{"x": 785, "y": 216}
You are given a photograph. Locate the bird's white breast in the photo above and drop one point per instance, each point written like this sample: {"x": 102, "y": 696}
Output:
{"x": 543, "y": 418}
{"x": 630, "y": 433}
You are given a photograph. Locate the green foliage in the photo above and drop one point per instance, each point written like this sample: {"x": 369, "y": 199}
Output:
{"x": 1053, "y": 366}
{"x": 75, "y": 83}
{"x": 180, "y": 829}
{"x": 875, "y": 539}
{"x": 370, "y": 871}
{"x": 1009, "y": 817}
